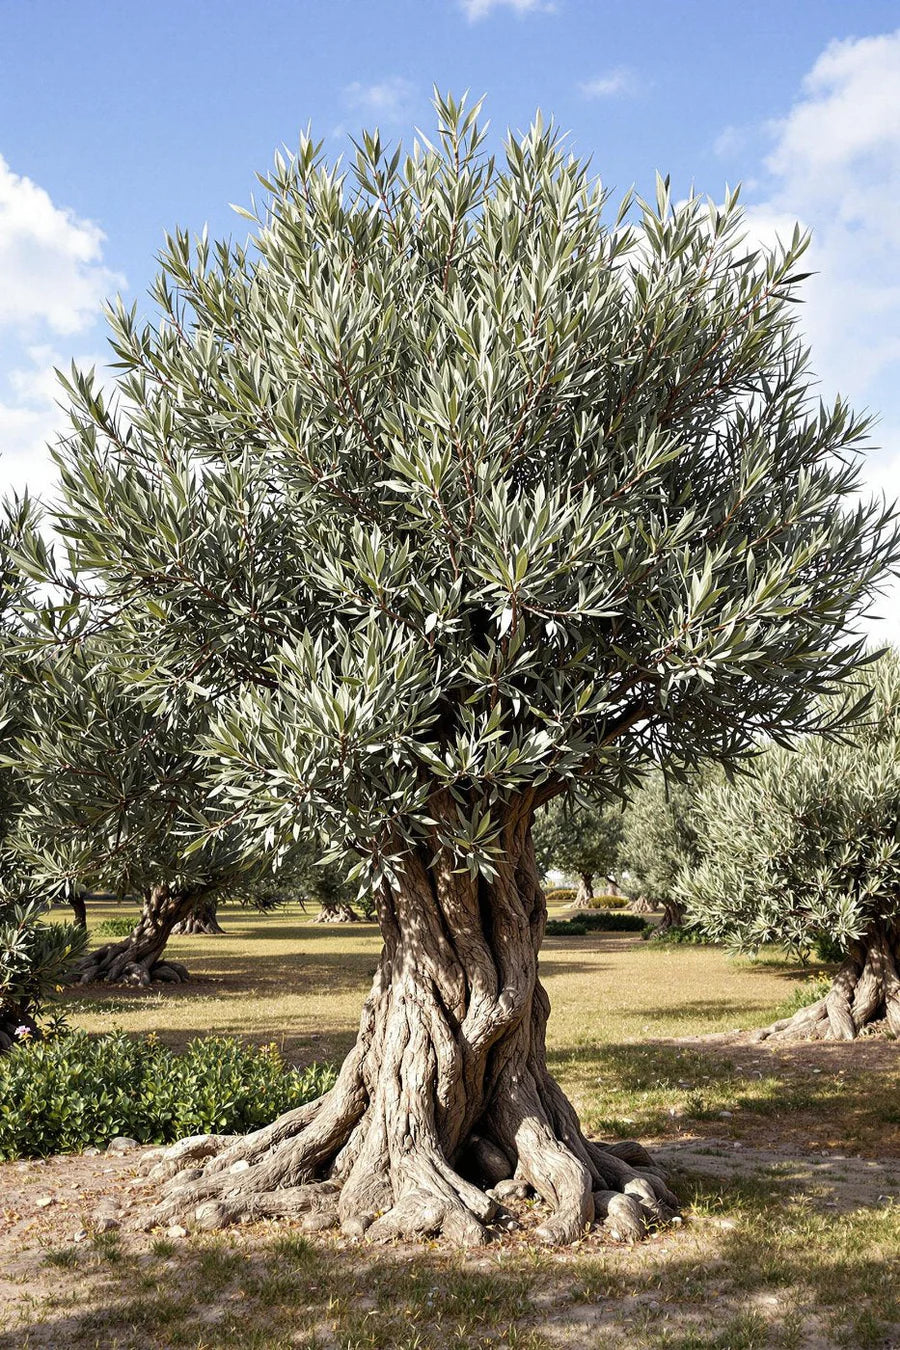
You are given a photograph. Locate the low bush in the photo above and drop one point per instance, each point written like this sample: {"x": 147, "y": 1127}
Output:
{"x": 561, "y": 895}
{"x": 594, "y": 921}
{"x": 115, "y": 928}
{"x": 77, "y": 1091}
{"x": 609, "y": 902}
{"x": 676, "y": 935}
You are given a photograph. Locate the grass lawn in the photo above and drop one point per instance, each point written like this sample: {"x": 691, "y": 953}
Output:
{"x": 791, "y": 1234}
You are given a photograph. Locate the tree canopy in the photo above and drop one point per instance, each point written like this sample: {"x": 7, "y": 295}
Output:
{"x": 660, "y": 837}
{"x": 582, "y": 839}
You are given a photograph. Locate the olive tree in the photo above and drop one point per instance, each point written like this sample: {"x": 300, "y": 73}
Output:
{"x": 580, "y": 839}
{"x": 456, "y": 490}
{"x": 807, "y": 849}
{"x": 659, "y": 839}
{"x": 34, "y": 955}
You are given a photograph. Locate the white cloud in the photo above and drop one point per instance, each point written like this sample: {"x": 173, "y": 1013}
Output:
{"x": 620, "y": 80}
{"x": 50, "y": 260}
{"x": 479, "y": 9}
{"x": 834, "y": 164}
{"x": 389, "y": 101}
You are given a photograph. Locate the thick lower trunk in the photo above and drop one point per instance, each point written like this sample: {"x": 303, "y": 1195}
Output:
{"x": 137, "y": 959}
{"x": 673, "y": 915}
{"x": 201, "y": 921}
{"x": 643, "y": 906}
{"x": 79, "y": 908}
{"x": 584, "y": 896}
{"x": 445, "y": 1110}
{"x": 340, "y": 913}
{"x": 865, "y": 991}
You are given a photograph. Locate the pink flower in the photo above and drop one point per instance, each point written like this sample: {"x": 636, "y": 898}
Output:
{"x": 22, "y": 1032}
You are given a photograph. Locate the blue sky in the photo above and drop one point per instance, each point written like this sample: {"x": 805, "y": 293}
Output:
{"x": 118, "y": 122}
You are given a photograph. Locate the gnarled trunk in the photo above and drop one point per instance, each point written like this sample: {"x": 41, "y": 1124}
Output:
{"x": 79, "y": 908}
{"x": 137, "y": 959}
{"x": 445, "y": 1096}
{"x": 585, "y": 894}
{"x": 673, "y": 915}
{"x": 201, "y": 921}
{"x": 339, "y": 913}
{"x": 865, "y": 990}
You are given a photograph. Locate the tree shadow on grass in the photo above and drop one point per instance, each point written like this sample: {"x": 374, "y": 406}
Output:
{"x": 755, "y": 1265}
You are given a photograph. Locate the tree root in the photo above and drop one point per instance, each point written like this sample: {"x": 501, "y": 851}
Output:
{"x": 865, "y": 990}
{"x": 282, "y": 1171}
{"x": 116, "y": 964}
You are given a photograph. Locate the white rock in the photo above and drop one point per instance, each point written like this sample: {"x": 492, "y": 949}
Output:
{"x": 241, "y": 1166}
{"x": 176, "y": 1231}
{"x": 44, "y": 1200}
{"x": 122, "y": 1144}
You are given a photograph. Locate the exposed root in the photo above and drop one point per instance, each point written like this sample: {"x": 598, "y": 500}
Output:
{"x": 865, "y": 990}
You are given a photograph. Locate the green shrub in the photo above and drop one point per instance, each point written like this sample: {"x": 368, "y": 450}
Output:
{"x": 609, "y": 902}
{"x": 66, "y": 1094}
{"x": 676, "y": 935}
{"x": 565, "y": 928}
{"x": 594, "y": 921}
{"x": 115, "y": 928}
{"x": 562, "y": 895}
{"x": 828, "y": 948}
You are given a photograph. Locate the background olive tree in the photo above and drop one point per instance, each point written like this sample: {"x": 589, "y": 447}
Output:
{"x": 454, "y": 488}
{"x": 580, "y": 839}
{"x": 807, "y": 850}
{"x": 659, "y": 838}
{"x": 34, "y": 955}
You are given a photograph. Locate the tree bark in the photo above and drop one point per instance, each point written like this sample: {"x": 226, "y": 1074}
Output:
{"x": 137, "y": 959}
{"x": 202, "y": 920}
{"x": 340, "y": 913}
{"x": 865, "y": 991}
{"x": 585, "y": 894}
{"x": 445, "y": 1107}
{"x": 673, "y": 915}
{"x": 76, "y": 900}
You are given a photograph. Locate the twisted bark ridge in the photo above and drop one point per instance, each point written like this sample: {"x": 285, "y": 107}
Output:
{"x": 137, "y": 959}
{"x": 865, "y": 991}
{"x": 445, "y": 1108}
{"x": 201, "y": 921}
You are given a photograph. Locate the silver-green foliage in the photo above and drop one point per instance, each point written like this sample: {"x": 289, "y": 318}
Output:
{"x": 807, "y": 848}
{"x": 583, "y": 839}
{"x": 660, "y": 835}
{"x": 453, "y": 479}
{"x": 34, "y": 954}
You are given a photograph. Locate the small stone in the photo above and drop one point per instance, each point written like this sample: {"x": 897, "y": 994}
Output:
{"x": 241, "y": 1166}
{"x": 44, "y": 1200}
{"x": 122, "y": 1144}
{"x": 176, "y": 1231}
{"x": 80, "y": 1235}
{"x": 106, "y": 1224}
{"x": 91, "y": 1153}
{"x": 319, "y": 1221}
{"x": 726, "y": 1115}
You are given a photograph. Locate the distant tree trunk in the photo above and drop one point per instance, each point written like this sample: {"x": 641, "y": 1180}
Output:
{"x": 447, "y": 1093}
{"x": 342, "y": 912}
{"x": 137, "y": 959}
{"x": 585, "y": 894}
{"x": 673, "y": 915}
{"x": 865, "y": 990}
{"x": 76, "y": 900}
{"x": 643, "y": 906}
{"x": 202, "y": 920}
